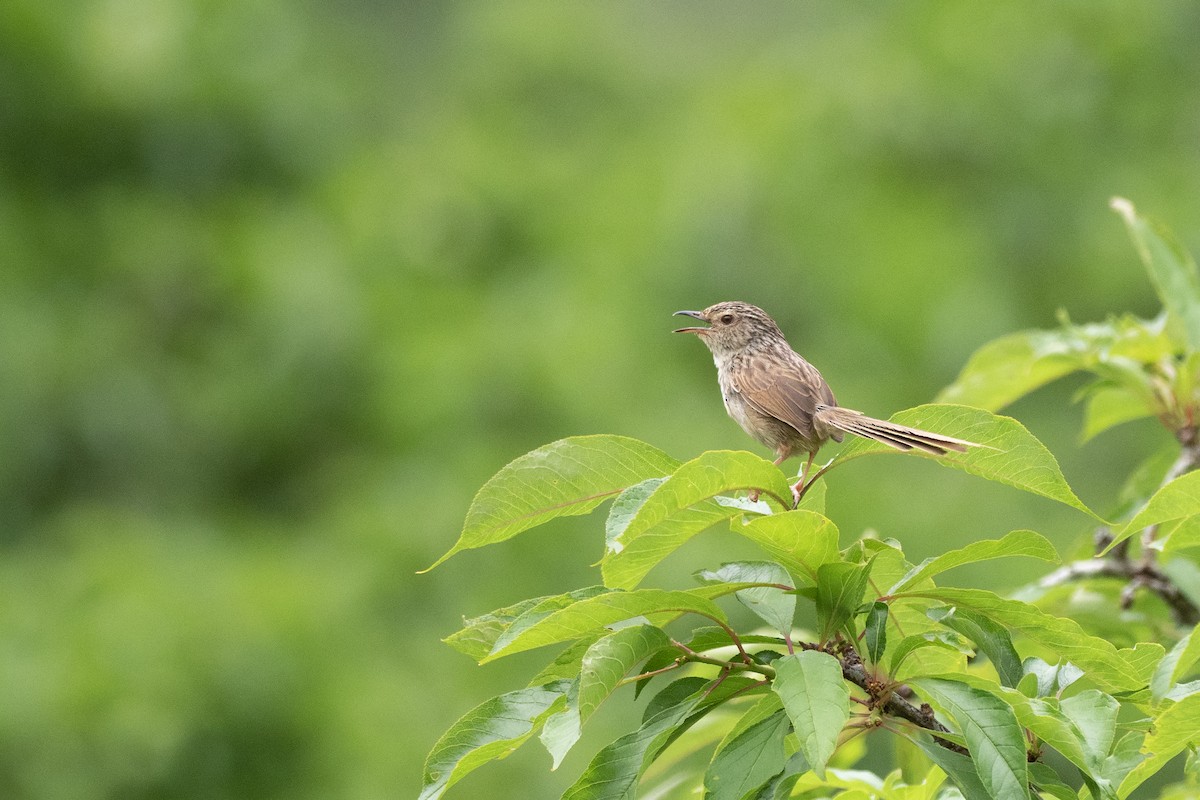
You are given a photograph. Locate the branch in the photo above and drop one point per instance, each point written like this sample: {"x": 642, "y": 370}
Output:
{"x": 888, "y": 701}
{"x": 882, "y": 695}
{"x": 1144, "y": 573}
{"x": 1139, "y": 574}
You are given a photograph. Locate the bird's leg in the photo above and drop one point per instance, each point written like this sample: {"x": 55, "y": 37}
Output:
{"x": 798, "y": 489}
{"x": 781, "y": 457}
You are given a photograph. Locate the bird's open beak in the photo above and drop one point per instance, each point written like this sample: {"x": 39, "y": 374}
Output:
{"x": 698, "y": 315}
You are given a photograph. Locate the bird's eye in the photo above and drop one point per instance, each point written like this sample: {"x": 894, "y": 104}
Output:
{"x": 726, "y": 318}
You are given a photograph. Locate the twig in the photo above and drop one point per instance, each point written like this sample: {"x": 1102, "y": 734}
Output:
{"x": 1139, "y": 574}
{"x": 1144, "y": 573}
{"x": 922, "y": 716}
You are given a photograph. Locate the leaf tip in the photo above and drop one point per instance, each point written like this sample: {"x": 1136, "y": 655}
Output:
{"x": 1122, "y": 207}
{"x": 439, "y": 562}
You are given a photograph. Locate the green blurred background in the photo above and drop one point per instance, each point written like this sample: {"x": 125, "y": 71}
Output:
{"x": 282, "y": 283}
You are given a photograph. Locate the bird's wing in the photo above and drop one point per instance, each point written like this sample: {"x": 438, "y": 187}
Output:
{"x": 789, "y": 390}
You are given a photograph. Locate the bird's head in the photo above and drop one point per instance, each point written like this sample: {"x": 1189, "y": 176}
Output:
{"x": 732, "y": 327}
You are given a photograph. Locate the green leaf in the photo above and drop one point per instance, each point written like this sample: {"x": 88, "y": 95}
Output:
{"x": 1012, "y": 366}
{"x": 876, "y": 631}
{"x": 773, "y": 605}
{"x": 1008, "y": 454}
{"x": 1108, "y": 668}
{"x": 840, "y": 588}
{"x": 1108, "y": 406}
{"x": 779, "y": 786}
{"x": 800, "y": 540}
{"x": 480, "y": 634}
{"x": 814, "y": 498}
{"x": 1094, "y": 715}
{"x": 959, "y": 768}
{"x": 1049, "y": 783}
{"x": 1008, "y": 368}
{"x": 1082, "y": 729}
{"x": 487, "y": 732}
{"x": 992, "y": 733}
{"x": 627, "y": 567}
{"x": 1051, "y": 679}
{"x": 562, "y": 729}
{"x": 1178, "y": 499}
{"x": 1047, "y": 722}
{"x": 1171, "y": 270}
{"x": 1176, "y": 664}
{"x": 626, "y": 506}
{"x": 1016, "y": 543}
{"x": 568, "y": 477}
{"x": 601, "y": 669}
{"x": 610, "y": 659}
{"x": 616, "y": 768}
{"x": 702, "y": 639}
{"x": 714, "y": 637}
{"x": 1123, "y": 760}
{"x": 810, "y": 685}
{"x": 1178, "y": 535}
{"x": 682, "y": 506}
{"x": 593, "y": 613}
{"x": 988, "y": 635}
{"x": 907, "y": 619}
{"x": 766, "y": 707}
{"x": 567, "y": 664}
{"x": 1176, "y": 728}
{"x": 916, "y": 642}
{"x": 748, "y": 760}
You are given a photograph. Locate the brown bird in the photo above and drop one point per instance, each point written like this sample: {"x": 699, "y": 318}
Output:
{"x": 781, "y": 400}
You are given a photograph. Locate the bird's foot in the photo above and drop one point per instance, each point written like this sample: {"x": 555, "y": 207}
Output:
{"x": 801, "y": 486}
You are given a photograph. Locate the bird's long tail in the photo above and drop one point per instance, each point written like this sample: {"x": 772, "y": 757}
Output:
{"x": 897, "y": 436}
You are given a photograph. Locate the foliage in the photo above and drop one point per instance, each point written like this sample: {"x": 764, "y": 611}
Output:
{"x": 283, "y": 283}
{"x": 984, "y": 686}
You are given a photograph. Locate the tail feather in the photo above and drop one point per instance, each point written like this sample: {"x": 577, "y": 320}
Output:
{"x": 894, "y": 439}
{"x": 899, "y": 436}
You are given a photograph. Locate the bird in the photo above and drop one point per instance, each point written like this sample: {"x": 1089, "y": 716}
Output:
{"x": 781, "y": 400}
